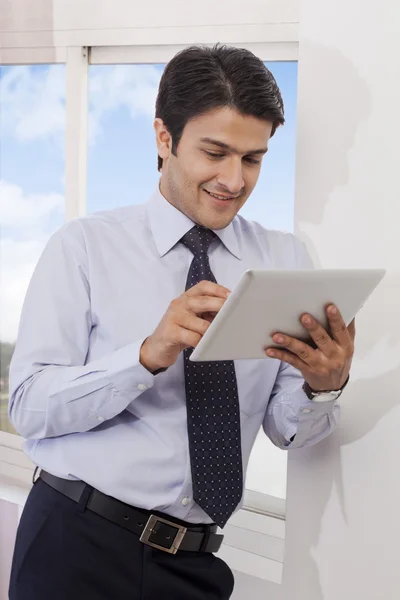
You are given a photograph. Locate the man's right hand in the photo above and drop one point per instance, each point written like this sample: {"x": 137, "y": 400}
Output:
{"x": 183, "y": 325}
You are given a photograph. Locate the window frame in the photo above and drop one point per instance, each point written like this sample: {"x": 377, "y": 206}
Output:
{"x": 15, "y": 468}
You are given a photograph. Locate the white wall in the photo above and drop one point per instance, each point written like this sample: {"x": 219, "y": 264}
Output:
{"x": 19, "y": 15}
{"x": 123, "y": 22}
{"x": 343, "y": 517}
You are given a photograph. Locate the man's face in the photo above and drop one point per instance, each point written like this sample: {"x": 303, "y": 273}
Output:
{"x": 217, "y": 165}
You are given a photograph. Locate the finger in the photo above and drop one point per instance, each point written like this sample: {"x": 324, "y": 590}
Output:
{"x": 338, "y": 327}
{"x": 205, "y": 304}
{"x": 305, "y": 353}
{"x": 208, "y": 288}
{"x": 319, "y": 335}
{"x": 286, "y": 357}
{"x": 187, "y": 338}
{"x": 210, "y": 316}
{"x": 194, "y": 324}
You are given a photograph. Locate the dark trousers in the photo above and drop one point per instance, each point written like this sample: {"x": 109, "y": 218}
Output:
{"x": 66, "y": 552}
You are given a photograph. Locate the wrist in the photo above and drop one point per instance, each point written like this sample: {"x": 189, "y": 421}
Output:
{"x": 339, "y": 389}
{"x": 145, "y": 358}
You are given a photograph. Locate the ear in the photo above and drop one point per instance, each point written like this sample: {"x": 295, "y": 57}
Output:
{"x": 163, "y": 139}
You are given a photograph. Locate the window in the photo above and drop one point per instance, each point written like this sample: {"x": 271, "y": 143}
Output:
{"x": 32, "y": 135}
{"x": 122, "y": 170}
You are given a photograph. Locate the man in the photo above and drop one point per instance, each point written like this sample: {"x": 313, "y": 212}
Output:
{"x": 143, "y": 453}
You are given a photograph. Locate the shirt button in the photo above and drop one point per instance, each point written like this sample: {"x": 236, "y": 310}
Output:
{"x": 185, "y": 501}
{"x": 142, "y": 387}
{"x": 306, "y": 410}
{"x": 100, "y": 418}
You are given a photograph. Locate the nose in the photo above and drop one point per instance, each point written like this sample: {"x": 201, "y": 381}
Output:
{"x": 230, "y": 176}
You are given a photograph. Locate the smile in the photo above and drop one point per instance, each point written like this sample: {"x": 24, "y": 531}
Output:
{"x": 221, "y": 197}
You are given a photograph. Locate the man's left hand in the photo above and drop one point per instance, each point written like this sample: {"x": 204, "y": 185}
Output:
{"x": 326, "y": 367}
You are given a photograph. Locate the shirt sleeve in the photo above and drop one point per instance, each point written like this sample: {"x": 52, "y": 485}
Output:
{"x": 53, "y": 391}
{"x": 291, "y": 413}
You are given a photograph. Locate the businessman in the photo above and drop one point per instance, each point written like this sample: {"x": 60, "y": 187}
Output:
{"x": 141, "y": 453}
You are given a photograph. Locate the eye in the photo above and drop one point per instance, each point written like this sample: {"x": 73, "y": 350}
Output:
{"x": 214, "y": 155}
{"x": 251, "y": 161}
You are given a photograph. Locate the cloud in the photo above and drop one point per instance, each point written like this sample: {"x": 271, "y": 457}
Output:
{"x": 25, "y": 213}
{"x": 33, "y": 102}
{"x": 33, "y": 98}
{"x": 133, "y": 87}
{"x": 18, "y": 260}
{"x": 26, "y": 228}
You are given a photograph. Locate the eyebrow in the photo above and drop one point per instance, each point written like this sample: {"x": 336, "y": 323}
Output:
{"x": 229, "y": 148}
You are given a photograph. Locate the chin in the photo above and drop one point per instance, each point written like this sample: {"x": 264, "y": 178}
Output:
{"x": 217, "y": 223}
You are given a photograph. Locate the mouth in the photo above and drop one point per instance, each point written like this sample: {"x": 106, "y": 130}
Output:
{"x": 221, "y": 199}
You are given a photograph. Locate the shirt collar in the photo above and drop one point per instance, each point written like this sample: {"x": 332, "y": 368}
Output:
{"x": 168, "y": 225}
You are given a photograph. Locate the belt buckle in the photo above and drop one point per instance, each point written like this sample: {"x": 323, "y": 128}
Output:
{"x": 149, "y": 530}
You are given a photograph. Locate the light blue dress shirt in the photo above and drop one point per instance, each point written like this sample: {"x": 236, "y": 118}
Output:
{"x": 79, "y": 396}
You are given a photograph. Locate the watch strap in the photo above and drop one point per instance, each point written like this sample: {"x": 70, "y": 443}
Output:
{"x": 311, "y": 394}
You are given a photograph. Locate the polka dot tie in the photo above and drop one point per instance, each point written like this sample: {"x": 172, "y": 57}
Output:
{"x": 212, "y": 410}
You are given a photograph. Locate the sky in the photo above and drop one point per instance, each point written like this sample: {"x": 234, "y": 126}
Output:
{"x": 122, "y": 165}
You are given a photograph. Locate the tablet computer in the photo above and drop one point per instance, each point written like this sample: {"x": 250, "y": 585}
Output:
{"x": 265, "y": 302}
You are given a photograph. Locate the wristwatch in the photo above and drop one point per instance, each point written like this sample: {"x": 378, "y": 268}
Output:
{"x": 323, "y": 396}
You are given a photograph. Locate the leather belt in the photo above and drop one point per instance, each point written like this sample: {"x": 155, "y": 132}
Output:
{"x": 160, "y": 532}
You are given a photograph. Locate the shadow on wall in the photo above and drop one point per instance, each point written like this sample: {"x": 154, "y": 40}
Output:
{"x": 325, "y": 463}
{"x": 339, "y": 120}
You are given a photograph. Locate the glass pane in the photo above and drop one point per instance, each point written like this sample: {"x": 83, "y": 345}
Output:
{"x": 32, "y": 137}
{"x": 122, "y": 156}
{"x": 122, "y": 170}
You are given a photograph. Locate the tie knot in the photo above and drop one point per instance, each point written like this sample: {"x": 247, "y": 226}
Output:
{"x": 198, "y": 239}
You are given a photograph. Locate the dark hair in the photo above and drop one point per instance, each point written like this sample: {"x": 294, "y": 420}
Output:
{"x": 199, "y": 79}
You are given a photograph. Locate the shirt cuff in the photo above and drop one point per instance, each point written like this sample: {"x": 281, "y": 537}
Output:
{"x": 126, "y": 373}
{"x": 294, "y": 415}
{"x": 310, "y": 421}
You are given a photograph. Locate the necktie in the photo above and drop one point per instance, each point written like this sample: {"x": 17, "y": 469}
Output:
{"x": 212, "y": 411}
